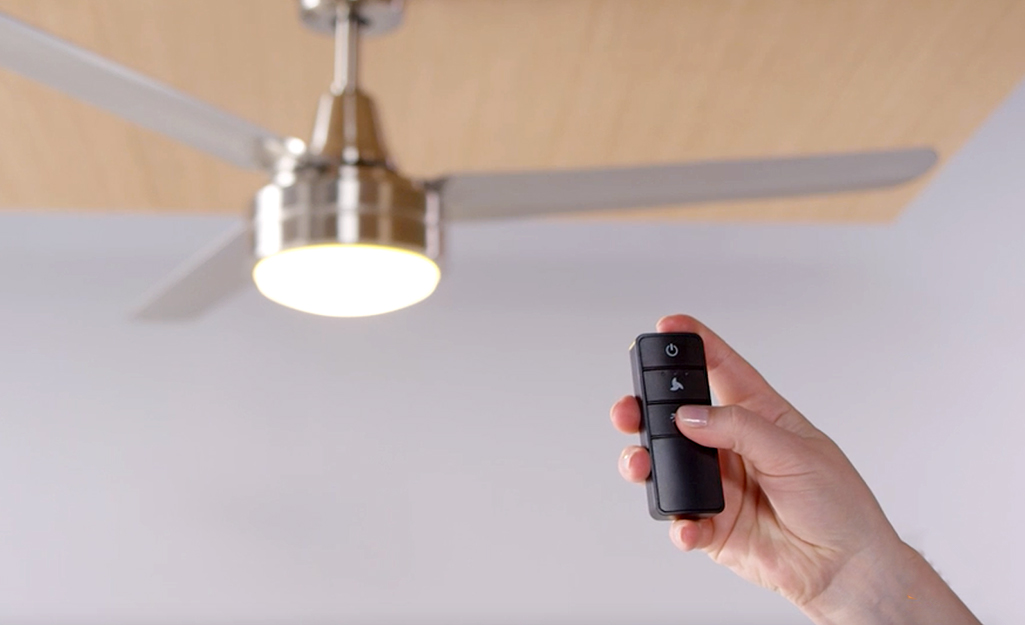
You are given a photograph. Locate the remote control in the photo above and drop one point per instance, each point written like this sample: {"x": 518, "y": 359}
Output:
{"x": 669, "y": 371}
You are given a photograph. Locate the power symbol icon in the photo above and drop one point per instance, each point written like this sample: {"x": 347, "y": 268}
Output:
{"x": 672, "y": 350}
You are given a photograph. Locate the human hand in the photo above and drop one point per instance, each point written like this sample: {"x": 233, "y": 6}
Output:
{"x": 799, "y": 519}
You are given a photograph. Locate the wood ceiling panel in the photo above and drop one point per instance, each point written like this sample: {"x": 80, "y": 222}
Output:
{"x": 523, "y": 84}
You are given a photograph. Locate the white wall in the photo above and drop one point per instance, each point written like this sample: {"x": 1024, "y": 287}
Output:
{"x": 453, "y": 463}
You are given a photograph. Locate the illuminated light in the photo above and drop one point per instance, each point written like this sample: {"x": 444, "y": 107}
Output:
{"x": 341, "y": 280}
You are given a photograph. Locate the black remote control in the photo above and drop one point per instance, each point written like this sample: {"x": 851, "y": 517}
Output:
{"x": 669, "y": 371}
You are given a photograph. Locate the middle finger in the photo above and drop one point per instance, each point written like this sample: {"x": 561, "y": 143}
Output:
{"x": 626, "y": 415}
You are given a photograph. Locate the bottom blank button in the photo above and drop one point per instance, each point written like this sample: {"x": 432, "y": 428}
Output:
{"x": 686, "y": 477}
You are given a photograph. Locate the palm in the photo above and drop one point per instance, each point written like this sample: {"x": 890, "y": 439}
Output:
{"x": 779, "y": 530}
{"x": 749, "y": 538}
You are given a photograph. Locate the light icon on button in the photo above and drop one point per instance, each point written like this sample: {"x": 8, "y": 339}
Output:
{"x": 672, "y": 350}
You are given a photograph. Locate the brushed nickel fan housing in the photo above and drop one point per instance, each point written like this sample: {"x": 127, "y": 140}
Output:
{"x": 342, "y": 188}
{"x": 349, "y": 205}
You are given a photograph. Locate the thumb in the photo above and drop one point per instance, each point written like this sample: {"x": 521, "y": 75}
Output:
{"x": 770, "y": 448}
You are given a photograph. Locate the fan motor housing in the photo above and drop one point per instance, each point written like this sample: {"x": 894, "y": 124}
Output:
{"x": 342, "y": 189}
{"x": 351, "y": 204}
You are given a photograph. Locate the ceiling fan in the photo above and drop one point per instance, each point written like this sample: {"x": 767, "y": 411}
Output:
{"x": 338, "y": 230}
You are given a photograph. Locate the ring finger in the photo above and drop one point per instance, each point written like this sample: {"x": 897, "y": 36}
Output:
{"x": 634, "y": 464}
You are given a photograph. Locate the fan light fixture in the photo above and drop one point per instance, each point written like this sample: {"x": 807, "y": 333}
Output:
{"x": 346, "y": 280}
{"x": 338, "y": 232}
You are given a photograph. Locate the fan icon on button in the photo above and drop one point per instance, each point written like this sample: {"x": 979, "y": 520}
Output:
{"x": 676, "y": 386}
{"x": 672, "y": 350}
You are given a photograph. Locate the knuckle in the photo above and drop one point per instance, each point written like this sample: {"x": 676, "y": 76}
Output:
{"x": 736, "y": 423}
{"x": 733, "y": 418}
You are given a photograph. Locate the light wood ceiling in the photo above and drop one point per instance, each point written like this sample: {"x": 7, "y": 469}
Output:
{"x": 524, "y": 84}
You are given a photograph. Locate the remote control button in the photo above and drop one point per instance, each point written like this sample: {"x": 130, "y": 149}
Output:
{"x": 686, "y": 386}
{"x": 671, "y": 350}
{"x": 686, "y": 476}
{"x": 662, "y": 420}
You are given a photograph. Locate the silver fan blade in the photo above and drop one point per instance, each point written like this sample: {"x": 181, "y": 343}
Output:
{"x": 204, "y": 280}
{"x": 131, "y": 95}
{"x": 504, "y": 195}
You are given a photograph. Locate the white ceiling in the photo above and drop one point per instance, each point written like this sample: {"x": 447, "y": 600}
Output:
{"x": 453, "y": 463}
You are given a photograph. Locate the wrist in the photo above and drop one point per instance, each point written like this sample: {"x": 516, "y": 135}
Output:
{"x": 862, "y": 587}
{"x": 890, "y": 583}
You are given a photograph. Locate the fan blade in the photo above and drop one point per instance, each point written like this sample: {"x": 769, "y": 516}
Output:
{"x": 524, "y": 194}
{"x": 205, "y": 279}
{"x": 131, "y": 95}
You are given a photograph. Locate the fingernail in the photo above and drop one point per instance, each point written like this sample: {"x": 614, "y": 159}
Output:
{"x": 624, "y": 461}
{"x": 692, "y": 416}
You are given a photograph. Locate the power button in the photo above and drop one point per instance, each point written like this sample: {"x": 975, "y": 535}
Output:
{"x": 676, "y": 350}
